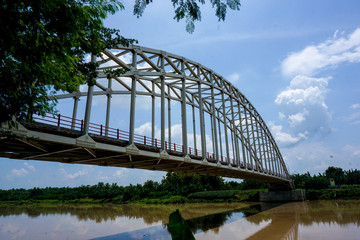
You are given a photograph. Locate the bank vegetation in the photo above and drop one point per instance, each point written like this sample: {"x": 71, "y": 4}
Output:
{"x": 182, "y": 188}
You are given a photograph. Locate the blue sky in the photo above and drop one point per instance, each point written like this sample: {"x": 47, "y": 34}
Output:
{"x": 298, "y": 62}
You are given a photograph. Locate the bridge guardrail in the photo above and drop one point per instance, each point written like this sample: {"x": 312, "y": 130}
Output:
{"x": 62, "y": 121}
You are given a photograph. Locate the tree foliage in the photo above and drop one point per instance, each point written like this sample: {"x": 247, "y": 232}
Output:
{"x": 190, "y": 10}
{"x": 43, "y": 47}
{"x": 321, "y": 181}
{"x": 44, "y": 44}
{"x": 175, "y": 188}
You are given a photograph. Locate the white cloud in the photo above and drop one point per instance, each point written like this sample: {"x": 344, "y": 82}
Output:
{"x": 74, "y": 175}
{"x": 19, "y": 172}
{"x": 354, "y": 117}
{"x": 316, "y": 157}
{"x": 144, "y": 129}
{"x": 234, "y": 77}
{"x": 304, "y": 90}
{"x": 298, "y": 118}
{"x": 281, "y": 116}
{"x": 122, "y": 172}
{"x": 303, "y": 106}
{"x": 330, "y": 53}
{"x": 352, "y": 151}
{"x": 30, "y": 167}
{"x": 283, "y": 138}
{"x": 355, "y": 106}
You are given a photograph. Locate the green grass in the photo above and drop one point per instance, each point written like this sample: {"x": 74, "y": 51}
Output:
{"x": 169, "y": 200}
{"x": 234, "y": 195}
{"x": 330, "y": 194}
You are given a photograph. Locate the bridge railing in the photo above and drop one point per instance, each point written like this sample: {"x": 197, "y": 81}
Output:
{"x": 61, "y": 121}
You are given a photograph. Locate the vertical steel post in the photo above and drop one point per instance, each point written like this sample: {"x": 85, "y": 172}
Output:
{"x": 183, "y": 116}
{"x": 169, "y": 117}
{"x": 248, "y": 139}
{"x": 256, "y": 160}
{"x": 243, "y": 141}
{"x": 213, "y": 113}
{"x": 236, "y": 150}
{"x": 257, "y": 150}
{"x": 220, "y": 137}
{"x": 267, "y": 161}
{"x": 212, "y": 133}
{"x": 276, "y": 162}
{"x": 183, "y": 110}
{"x": 262, "y": 145}
{"x": 132, "y": 109}
{"x": 225, "y": 127}
{"x": 73, "y": 122}
{"x": 272, "y": 157}
{"x": 153, "y": 113}
{"x": 201, "y": 113}
{"x": 133, "y": 98}
{"x": 108, "y": 107}
{"x": 89, "y": 101}
{"x": 162, "y": 102}
{"x": 162, "y": 90}
{"x": 194, "y": 121}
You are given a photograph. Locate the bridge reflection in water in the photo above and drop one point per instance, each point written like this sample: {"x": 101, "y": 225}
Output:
{"x": 296, "y": 220}
{"x": 299, "y": 220}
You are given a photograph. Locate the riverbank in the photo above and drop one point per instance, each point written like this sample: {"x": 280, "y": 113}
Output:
{"x": 344, "y": 193}
{"x": 198, "y": 197}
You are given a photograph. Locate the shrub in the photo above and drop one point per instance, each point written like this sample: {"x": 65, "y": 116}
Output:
{"x": 226, "y": 194}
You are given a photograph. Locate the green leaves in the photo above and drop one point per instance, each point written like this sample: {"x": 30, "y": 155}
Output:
{"x": 43, "y": 47}
{"x": 190, "y": 10}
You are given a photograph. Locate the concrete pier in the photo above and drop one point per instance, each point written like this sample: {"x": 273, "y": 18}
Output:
{"x": 282, "y": 196}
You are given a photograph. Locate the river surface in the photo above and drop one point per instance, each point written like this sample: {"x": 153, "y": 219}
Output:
{"x": 298, "y": 220}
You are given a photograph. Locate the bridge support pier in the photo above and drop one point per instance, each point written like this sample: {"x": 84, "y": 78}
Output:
{"x": 282, "y": 196}
{"x": 282, "y": 192}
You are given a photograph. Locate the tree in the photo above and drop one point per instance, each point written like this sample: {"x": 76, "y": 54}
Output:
{"x": 43, "y": 46}
{"x": 190, "y": 10}
{"x": 335, "y": 173}
{"x": 352, "y": 176}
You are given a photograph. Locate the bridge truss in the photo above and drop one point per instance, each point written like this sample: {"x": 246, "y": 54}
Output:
{"x": 228, "y": 135}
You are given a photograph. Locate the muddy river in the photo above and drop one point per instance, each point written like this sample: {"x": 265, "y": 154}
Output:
{"x": 298, "y": 220}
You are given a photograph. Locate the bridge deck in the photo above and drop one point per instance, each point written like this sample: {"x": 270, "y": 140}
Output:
{"x": 58, "y": 144}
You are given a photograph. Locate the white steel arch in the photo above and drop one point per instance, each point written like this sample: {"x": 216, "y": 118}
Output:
{"x": 240, "y": 137}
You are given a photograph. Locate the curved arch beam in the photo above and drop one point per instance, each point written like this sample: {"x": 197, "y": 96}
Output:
{"x": 236, "y": 126}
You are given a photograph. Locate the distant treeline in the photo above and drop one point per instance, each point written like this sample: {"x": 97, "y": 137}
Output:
{"x": 172, "y": 187}
{"x": 176, "y": 187}
{"x": 321, "y": 181}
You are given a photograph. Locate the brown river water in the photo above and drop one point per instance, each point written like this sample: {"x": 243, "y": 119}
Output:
{"x": 297, "y": 220}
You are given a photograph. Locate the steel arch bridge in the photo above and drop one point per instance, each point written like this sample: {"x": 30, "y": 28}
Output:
{"x": 221, "y": 131}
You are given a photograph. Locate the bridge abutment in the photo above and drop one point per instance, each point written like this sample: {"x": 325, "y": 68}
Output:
{"x": 282, "y": 196}
{"x": 282, "y": 192}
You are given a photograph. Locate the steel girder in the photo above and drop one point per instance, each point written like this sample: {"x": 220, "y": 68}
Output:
{"x": 237, "y": 130}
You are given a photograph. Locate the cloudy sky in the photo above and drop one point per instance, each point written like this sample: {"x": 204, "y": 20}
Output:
{"x": 298, "y": 62}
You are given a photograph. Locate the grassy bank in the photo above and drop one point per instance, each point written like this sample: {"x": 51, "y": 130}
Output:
{"x": 344, "y": 192}
{"x": 197, "y": 197}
